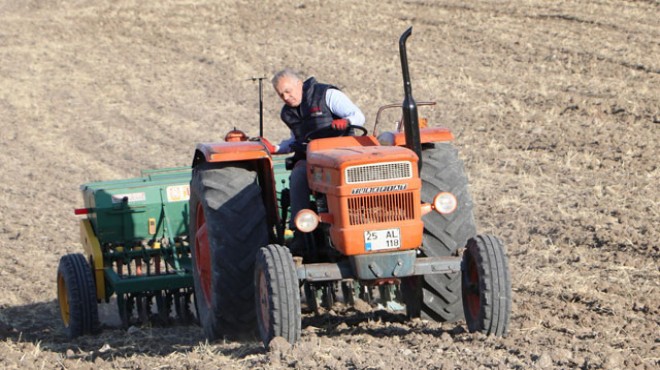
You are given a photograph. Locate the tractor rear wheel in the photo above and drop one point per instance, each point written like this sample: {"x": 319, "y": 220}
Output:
{"x": 486, "y": 286}
{"x": 76, "y": 295}
{"x": 438, "y": 296}
{"x": 277, "y": 295}
{"x": 228, "y": 226}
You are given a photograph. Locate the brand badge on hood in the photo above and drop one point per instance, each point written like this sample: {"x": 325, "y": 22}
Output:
{"x": 379, "y": 189}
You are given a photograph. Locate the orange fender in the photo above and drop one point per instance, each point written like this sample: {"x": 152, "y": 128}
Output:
{"x": 427, "y": 135}
{"x": 229, "y": 152}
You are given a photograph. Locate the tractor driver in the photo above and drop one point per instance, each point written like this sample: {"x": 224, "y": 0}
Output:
{"x": 308, "y": 106}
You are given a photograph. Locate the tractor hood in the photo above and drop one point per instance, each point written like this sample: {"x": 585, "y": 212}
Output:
{"x": 342, "y": 157}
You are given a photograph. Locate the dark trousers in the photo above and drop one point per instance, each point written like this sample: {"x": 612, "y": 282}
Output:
{"x": 299, "y": 190}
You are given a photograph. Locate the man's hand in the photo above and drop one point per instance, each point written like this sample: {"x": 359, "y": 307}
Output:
{"x": 271, "y": 148}
{"x": 339, "y": 124}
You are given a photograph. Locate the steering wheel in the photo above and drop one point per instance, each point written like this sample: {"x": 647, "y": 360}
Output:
{"x": 312, "y": 134}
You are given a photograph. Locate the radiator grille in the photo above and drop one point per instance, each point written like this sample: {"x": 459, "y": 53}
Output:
{"x": 379, "y": 172}
{"x": 371, "y": 209}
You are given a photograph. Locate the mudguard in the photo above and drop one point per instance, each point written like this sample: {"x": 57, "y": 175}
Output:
{"x": 229, "y": 152}
{"x": 427, "y": 135}
{"x": 251, "y": 153}
{"x": 92, "y": 249}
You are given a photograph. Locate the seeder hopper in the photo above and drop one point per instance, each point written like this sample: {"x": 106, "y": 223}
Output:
{"x": 135, "y": 245}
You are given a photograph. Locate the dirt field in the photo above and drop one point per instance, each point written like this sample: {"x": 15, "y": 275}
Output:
{"x": 556, "y": 109}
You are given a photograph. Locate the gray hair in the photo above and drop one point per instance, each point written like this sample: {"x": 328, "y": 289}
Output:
{"x": 286, "y": 72}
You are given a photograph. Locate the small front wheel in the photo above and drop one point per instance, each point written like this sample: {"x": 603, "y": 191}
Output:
{"x": 277, "y": 295}
{"x": 486, "y": 286}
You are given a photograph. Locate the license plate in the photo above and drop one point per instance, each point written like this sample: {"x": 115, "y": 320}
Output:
{"x": 376, "y": 240}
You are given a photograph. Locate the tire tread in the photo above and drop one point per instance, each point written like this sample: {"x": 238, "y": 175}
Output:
{"x": 237, "y": 228}
{"x": 494, "y": 286}
{"x": 283, "y": 291}
{"x": 81, "y": 295}
{"x": 441, "y": 298}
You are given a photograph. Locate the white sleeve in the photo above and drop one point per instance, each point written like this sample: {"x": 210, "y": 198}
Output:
{"x": 341, "y": 106}
{"x": 285, "y": 145}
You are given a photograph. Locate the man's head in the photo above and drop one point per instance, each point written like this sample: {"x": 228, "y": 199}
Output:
{"x": 288, "y": 86}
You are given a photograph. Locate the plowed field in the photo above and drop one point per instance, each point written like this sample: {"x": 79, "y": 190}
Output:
{"x": 556, "y": 111}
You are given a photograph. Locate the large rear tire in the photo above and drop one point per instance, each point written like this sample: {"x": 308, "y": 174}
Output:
{"x": 486, "y": 286}
{"x": 438, "y": 296}
{"x": 228, "y": 226}
{"x": 277, "y": 295}
{"x": 76, "y": 295}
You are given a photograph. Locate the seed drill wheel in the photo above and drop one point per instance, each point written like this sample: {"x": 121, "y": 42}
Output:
{"x": 228, "y": 226}
{"x": 438, "y": 296}
{"x": 277, "y": 295}
{"x": 76, "y": 295}
{"x": 486, "y": 286}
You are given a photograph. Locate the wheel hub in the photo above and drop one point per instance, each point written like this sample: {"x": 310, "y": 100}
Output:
{"x": 63, "y": 300}
{"x": 264, "y": 302}
{"x": 471, "y": 287}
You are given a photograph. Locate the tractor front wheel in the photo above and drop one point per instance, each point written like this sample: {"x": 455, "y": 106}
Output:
{"x": 277, "y": 295}
{"x": 76, "y": 295}
{"x": 486, "y": 286}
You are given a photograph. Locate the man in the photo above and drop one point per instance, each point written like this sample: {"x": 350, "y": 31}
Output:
{"x": 308, "y": 106}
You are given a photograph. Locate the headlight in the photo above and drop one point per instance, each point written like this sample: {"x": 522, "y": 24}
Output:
{"x": 306, "y": 220}
{"x": 386, "y": 138}
{"x": 445, "y": 203}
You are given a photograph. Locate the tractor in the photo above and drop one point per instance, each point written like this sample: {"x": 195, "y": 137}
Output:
{"x": 387, "y": 209}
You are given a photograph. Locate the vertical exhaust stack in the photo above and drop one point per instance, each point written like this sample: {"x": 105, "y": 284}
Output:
{"x": 410, "y": 119}
{"x": 261, "y": 104}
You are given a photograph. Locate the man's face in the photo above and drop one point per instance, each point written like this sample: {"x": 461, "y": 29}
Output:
{"x": 290, "y": 90}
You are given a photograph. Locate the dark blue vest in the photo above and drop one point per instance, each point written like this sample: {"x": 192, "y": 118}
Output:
{"x": 312, "y": 113}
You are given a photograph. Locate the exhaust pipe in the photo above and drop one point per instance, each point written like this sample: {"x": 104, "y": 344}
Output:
{"x": 410, "y": 119}
{"x": 261, "y": 104}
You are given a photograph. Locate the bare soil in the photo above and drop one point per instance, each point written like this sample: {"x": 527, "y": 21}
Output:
{"x": 556, "y": 109}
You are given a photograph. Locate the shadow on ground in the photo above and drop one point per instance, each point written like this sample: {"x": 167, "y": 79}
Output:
{"x": 40, "y": 324}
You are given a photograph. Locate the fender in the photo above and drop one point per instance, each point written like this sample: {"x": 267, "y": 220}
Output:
{"x": 427, "y": 135}
{"x": 92, "y": 249}
{"x": 229, "y": 152}
{"x": 250, "y": 153}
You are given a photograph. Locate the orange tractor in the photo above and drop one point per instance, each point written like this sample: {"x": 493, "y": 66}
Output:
{"x": 392, "y": 209}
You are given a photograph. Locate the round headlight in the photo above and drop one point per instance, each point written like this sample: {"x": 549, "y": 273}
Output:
{"x": 445, "y": 203}
{"x": 306, "y": 220}
{"x": 386, "y": 138}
